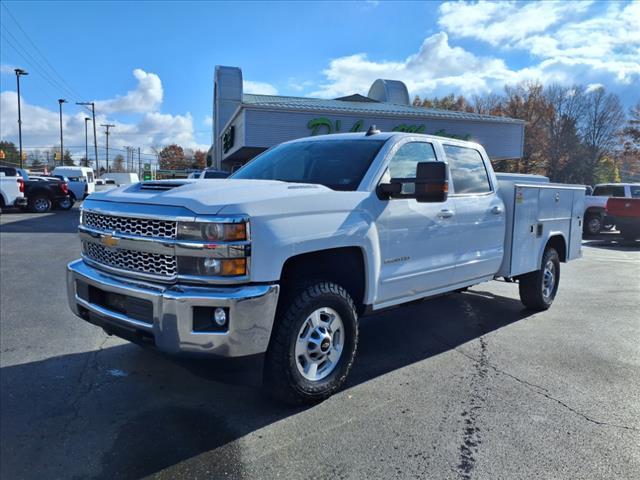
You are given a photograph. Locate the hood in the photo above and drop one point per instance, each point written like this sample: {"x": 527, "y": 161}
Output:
{"x": 208, "y": 196}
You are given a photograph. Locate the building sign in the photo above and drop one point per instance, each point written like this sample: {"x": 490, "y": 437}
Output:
{"x": 323, "y": 126}
{"x": 228, "y": 137}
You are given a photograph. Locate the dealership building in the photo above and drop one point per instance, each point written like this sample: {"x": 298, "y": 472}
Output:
{"x": 246, "y": 124}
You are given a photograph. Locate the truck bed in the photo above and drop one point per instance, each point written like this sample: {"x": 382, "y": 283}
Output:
{"x": 537, "y": 210}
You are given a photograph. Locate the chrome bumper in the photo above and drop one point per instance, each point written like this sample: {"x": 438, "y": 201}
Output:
{"x": 251, "y": 312}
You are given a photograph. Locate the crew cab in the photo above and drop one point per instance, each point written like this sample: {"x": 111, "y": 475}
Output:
{"x": 42, "y": 193}
{"x": 595, "y": 215}
{"x": 278, "y": 262}
{"x": 11, "y": 192}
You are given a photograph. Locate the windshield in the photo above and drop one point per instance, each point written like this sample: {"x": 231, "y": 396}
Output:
{"x": 337, "y": 164}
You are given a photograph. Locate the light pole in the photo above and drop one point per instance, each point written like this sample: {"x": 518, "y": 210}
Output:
{"x": 107, "y": 126}
{"x": 60, "y": 102}
{"x": 20, "y": 72}
{"x": 95, "y": 137}
{"x": 86, "y": 142}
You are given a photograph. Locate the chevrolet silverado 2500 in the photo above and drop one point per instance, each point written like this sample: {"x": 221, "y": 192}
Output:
{"x": 279, "y": 261}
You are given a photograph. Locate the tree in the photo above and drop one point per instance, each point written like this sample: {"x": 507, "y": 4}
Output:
{"x": 172, "y": 158}
{"x": 11, "y": 154}
{"x": 603, "y": 122}
{"x": 200, "y": 158}
{"x": 118, "y": 163}
{"x": 66, "y": 159}
{"x": 629, "y": 156}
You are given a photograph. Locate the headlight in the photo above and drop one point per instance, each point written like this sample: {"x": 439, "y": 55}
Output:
{"x": 212, "y": 232}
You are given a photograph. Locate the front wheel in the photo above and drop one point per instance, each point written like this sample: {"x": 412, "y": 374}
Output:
{"x": 538, "y": 289}
{"x": 313, "y": 344}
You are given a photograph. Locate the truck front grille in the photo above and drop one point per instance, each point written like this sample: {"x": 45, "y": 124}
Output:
{"x": 133, "y": 226}
{"x": 131, "y": 260}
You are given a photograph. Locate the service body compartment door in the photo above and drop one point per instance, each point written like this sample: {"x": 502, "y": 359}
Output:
{"x": 527, "y": 231}
{"x": 575, "y": 236}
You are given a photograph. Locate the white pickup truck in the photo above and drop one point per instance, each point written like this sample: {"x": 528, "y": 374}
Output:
{"x": 277, "y": 262}
{"x": 11, "y": 192}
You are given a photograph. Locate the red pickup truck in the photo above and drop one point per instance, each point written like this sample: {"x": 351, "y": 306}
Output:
{"x": 625, "y": 213}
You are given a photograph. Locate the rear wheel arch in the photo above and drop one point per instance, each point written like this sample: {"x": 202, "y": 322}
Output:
{"x": 559, "y": 244}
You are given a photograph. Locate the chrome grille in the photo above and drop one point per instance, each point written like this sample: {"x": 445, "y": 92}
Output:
{"x": 134, "y": 226}
{"x": 131, "y": 260}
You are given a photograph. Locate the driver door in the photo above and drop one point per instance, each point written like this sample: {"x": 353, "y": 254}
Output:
{"x": 418, "y": 244}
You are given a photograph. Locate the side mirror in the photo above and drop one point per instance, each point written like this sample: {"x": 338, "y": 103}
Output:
{"x": 432, "y": 183}
{"x": 387, "y": 190}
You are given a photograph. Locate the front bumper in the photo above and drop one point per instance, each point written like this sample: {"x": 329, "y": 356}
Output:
{"x": 170, "y": 328}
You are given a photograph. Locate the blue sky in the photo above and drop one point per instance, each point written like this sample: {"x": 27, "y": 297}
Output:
{"x": 150, "y": 64}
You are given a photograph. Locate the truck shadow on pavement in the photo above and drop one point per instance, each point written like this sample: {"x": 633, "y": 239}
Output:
{"x": 55, "y": 221}
{"x": 125, "y": 412}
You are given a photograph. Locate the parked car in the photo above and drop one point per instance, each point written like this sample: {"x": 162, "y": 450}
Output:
{"x": 213, "y": 173}
{"x": 277, "y": 264}
{"x": 42, "y": 193}
{"x": 595, "y": 216}
{"x": 81, "y": 180}
{"x": 11, "y": 192}
{"x": 625, "y": 213}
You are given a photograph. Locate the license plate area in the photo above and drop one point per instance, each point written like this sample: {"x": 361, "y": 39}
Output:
{"x": 135, "y": 308}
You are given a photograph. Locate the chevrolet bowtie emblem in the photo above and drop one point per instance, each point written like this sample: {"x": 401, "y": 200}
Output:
{"x": 109, "y": 241}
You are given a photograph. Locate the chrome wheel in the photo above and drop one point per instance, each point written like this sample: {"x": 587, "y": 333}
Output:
{"x": 548, "y": 280}
{"x": 319, "y": 344}
{"x": 594, "y": 225}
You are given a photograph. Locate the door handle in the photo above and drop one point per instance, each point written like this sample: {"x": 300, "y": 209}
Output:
{"x": 497, "y": 210}
{"x": 445, "y": 213}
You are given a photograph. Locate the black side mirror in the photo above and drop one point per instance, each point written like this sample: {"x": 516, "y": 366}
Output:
{"x": 432, "y": 183}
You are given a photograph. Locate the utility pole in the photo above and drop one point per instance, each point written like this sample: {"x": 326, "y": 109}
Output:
{"x": 60, "y": 102}
{"x": 107, "y": 126}
{"x": 139, "y": 171}
{"x": 20, "y": 72}
{"x": 95, "y": 137}
{"x": 86, "y": 142}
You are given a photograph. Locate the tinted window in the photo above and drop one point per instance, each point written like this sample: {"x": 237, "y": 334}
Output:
{"x": 405, "y": 160}
{"x": 90, "y": 177}
{"x": 467, "y": 170}
{"x": 635, "y": 191}
{"x": 215, "y": 175}
{"x": 337, "y": 164}
{"x": 9, "y": 171}
{"x": 609, "y": 191}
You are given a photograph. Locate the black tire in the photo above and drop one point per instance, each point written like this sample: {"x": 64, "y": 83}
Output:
{"x": 66, "y": 204}
{"x": 592, "y": 224}
{"x": 40, "y": 204}
{"x": 532, "y": 285}
{"x": 282, "y": 377}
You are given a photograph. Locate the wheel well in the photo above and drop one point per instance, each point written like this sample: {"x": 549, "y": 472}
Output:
{"x": 557, "y": 242}
{"x": 594, "y": 211}
{"x": 344, "y": 266}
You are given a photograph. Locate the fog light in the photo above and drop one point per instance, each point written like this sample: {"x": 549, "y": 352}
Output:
{"x": 220, "y": 316}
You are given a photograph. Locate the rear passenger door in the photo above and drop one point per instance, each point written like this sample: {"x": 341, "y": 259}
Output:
{"x": 480, "y": 213}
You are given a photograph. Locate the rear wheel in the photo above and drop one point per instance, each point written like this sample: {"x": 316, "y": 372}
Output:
{"x": 313, "y": 344}
{"x": 40, "y": 204}
{"x": 538, "y": 289}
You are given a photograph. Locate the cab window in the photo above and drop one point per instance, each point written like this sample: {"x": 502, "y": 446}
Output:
{"x": 609, "y": 191}
{"x": 468, "y": 171}
{"x": 404, "y": 163}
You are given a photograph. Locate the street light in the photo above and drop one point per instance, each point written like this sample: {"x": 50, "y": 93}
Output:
{"x": 19, "y": 73}
{"x": 60, "y": 102}
{"x": 86, "y": 142}
{"x": 95, "y": 137}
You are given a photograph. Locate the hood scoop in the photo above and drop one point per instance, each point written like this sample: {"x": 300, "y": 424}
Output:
{"x": 160, "y": 186}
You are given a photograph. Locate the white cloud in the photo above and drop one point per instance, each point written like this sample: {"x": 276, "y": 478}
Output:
{"x": 208, "y": 121}
{"x": 146, "y": 97}
{"x": 260, "y": 88}
{"x": 569, "y": 43}
{"x": 7, "y": 69}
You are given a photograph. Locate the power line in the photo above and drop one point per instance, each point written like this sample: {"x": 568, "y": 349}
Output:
{"x": 71, "y": 89}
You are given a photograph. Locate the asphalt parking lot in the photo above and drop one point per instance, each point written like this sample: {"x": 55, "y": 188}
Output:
{"x": 467, "y": 386}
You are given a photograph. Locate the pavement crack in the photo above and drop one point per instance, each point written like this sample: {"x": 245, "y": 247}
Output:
{"x": 538, "y": 389}
{"x": 91, "y": 364}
